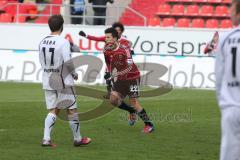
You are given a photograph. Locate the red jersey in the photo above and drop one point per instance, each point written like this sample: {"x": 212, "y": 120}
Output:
{"x": 121, "y": 60}
{"x": 125, "y": 42}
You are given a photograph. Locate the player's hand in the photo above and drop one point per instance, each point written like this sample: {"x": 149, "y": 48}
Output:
{"x": 75, "y": 76}
{"x": 81, "y": 33}
{"x": 107, "y": 75}
{"x": 209, "y": 48}
{"x": 132, "y": 52}
{"x": 111, "y": 76}
{"x": 212, "y": 45}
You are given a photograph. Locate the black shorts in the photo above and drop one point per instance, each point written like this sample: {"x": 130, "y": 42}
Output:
{"x": 127, "y": 87}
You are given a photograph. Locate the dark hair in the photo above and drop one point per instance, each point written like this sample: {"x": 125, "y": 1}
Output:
{"x": 112, "y": 31}
{"x": 55, "y": 23}
{"x": 118, "y": 24}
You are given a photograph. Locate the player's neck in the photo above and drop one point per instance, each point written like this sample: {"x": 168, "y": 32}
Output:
{"x": 55, "y": 33}
{"x": 117, "y": 46}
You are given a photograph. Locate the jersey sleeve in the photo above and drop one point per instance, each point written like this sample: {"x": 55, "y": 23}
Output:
{"x": 219, "y": 67}
{"x": 66, "y": 51}
{"x": 102, "y": 38}
{"x": 39, "y": 54}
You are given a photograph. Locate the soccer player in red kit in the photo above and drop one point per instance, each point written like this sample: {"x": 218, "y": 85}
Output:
{"x": 125, "y": 76}
{"x": 122, "y": 39}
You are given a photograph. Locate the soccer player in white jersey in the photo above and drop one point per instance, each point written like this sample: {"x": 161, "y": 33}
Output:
{"x": 54, "y": 53}
{"x": 227, "y": 70}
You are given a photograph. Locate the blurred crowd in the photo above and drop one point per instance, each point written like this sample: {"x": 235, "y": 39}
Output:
{"x": 99, "y": 9}
{"x": 77, "y": 9}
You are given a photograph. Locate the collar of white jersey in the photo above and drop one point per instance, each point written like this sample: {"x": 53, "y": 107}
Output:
{"x": 54, "y": 35}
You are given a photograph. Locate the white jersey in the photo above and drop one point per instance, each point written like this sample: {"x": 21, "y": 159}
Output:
{"x": 54, "y": 51}
{"x": 227, "y": 69}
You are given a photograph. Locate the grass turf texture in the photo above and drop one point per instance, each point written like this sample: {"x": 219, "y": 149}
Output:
{"x": 187, "y": 127}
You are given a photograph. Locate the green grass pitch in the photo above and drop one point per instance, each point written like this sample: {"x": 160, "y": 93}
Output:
{"x": 187, "y": 127}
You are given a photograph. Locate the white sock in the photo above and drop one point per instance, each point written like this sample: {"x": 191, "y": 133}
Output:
{"x": 75, "y": 126}
{"x": 49, "y": 123}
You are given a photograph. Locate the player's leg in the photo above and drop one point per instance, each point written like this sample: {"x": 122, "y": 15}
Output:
{"x": 133, "y": 88}
{"x": 121, "y": 90}
{"x": 116, "y": 100}
{"x": 143, "y": 115}
{"x": 230, "y": 141}
{"x": 75, "y": 126}
{"x": 50, "y": 97}
{"x": 68, "y": 98}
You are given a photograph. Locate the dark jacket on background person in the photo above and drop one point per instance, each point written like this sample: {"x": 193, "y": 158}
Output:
{"x": 99, "y": 11}
{"x": 99, "y": 2}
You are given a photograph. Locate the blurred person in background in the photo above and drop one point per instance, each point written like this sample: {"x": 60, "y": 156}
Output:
{"x": 99, "y": 8}
{"x": 77, "y": 9}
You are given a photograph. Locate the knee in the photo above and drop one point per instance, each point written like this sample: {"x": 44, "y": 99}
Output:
{"x": 72, "y": 111}
{"x": 72, "y": 115}
{"x": 133, "y": 101}
{"x": 115, "y": 99}
{"x": 54, "y": 111}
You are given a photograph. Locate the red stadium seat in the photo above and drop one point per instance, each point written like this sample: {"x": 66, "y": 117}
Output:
{"x": 12, "y": 9}
{"x": 154, "y": 21}
{"x": 178, "y": 9}
{"x": 198, "y": 23}
{"x": 192, "y": 10}
{"x": 226, "y": 23}
{"x": 164, "y": 9}
{"x": 56, "y": 2}
{"x": 168, "y": 22}
{"x": 19, "y": 19}
{"x": 226, "y": 1}
{"x": 5, "y": 18}
{"x": 214, "y": 1}
{"x": 173, "y": 1}
{"x": 2, "y": 4}
{"x": 212, "y": 23}
{"x": 200, "y": 1}
{"x": 221, "y": 11}
{"x": 207, "y": 10}
{"x": 56, "y": 9}
{"x": 42, "y": 20}
{"x": 33, "y": 13}
{"x": 183, "y": 22}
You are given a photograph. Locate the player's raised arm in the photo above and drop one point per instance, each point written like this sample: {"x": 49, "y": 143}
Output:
{"x": 212, "y": 45}
{"x": 101, "y": 38}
